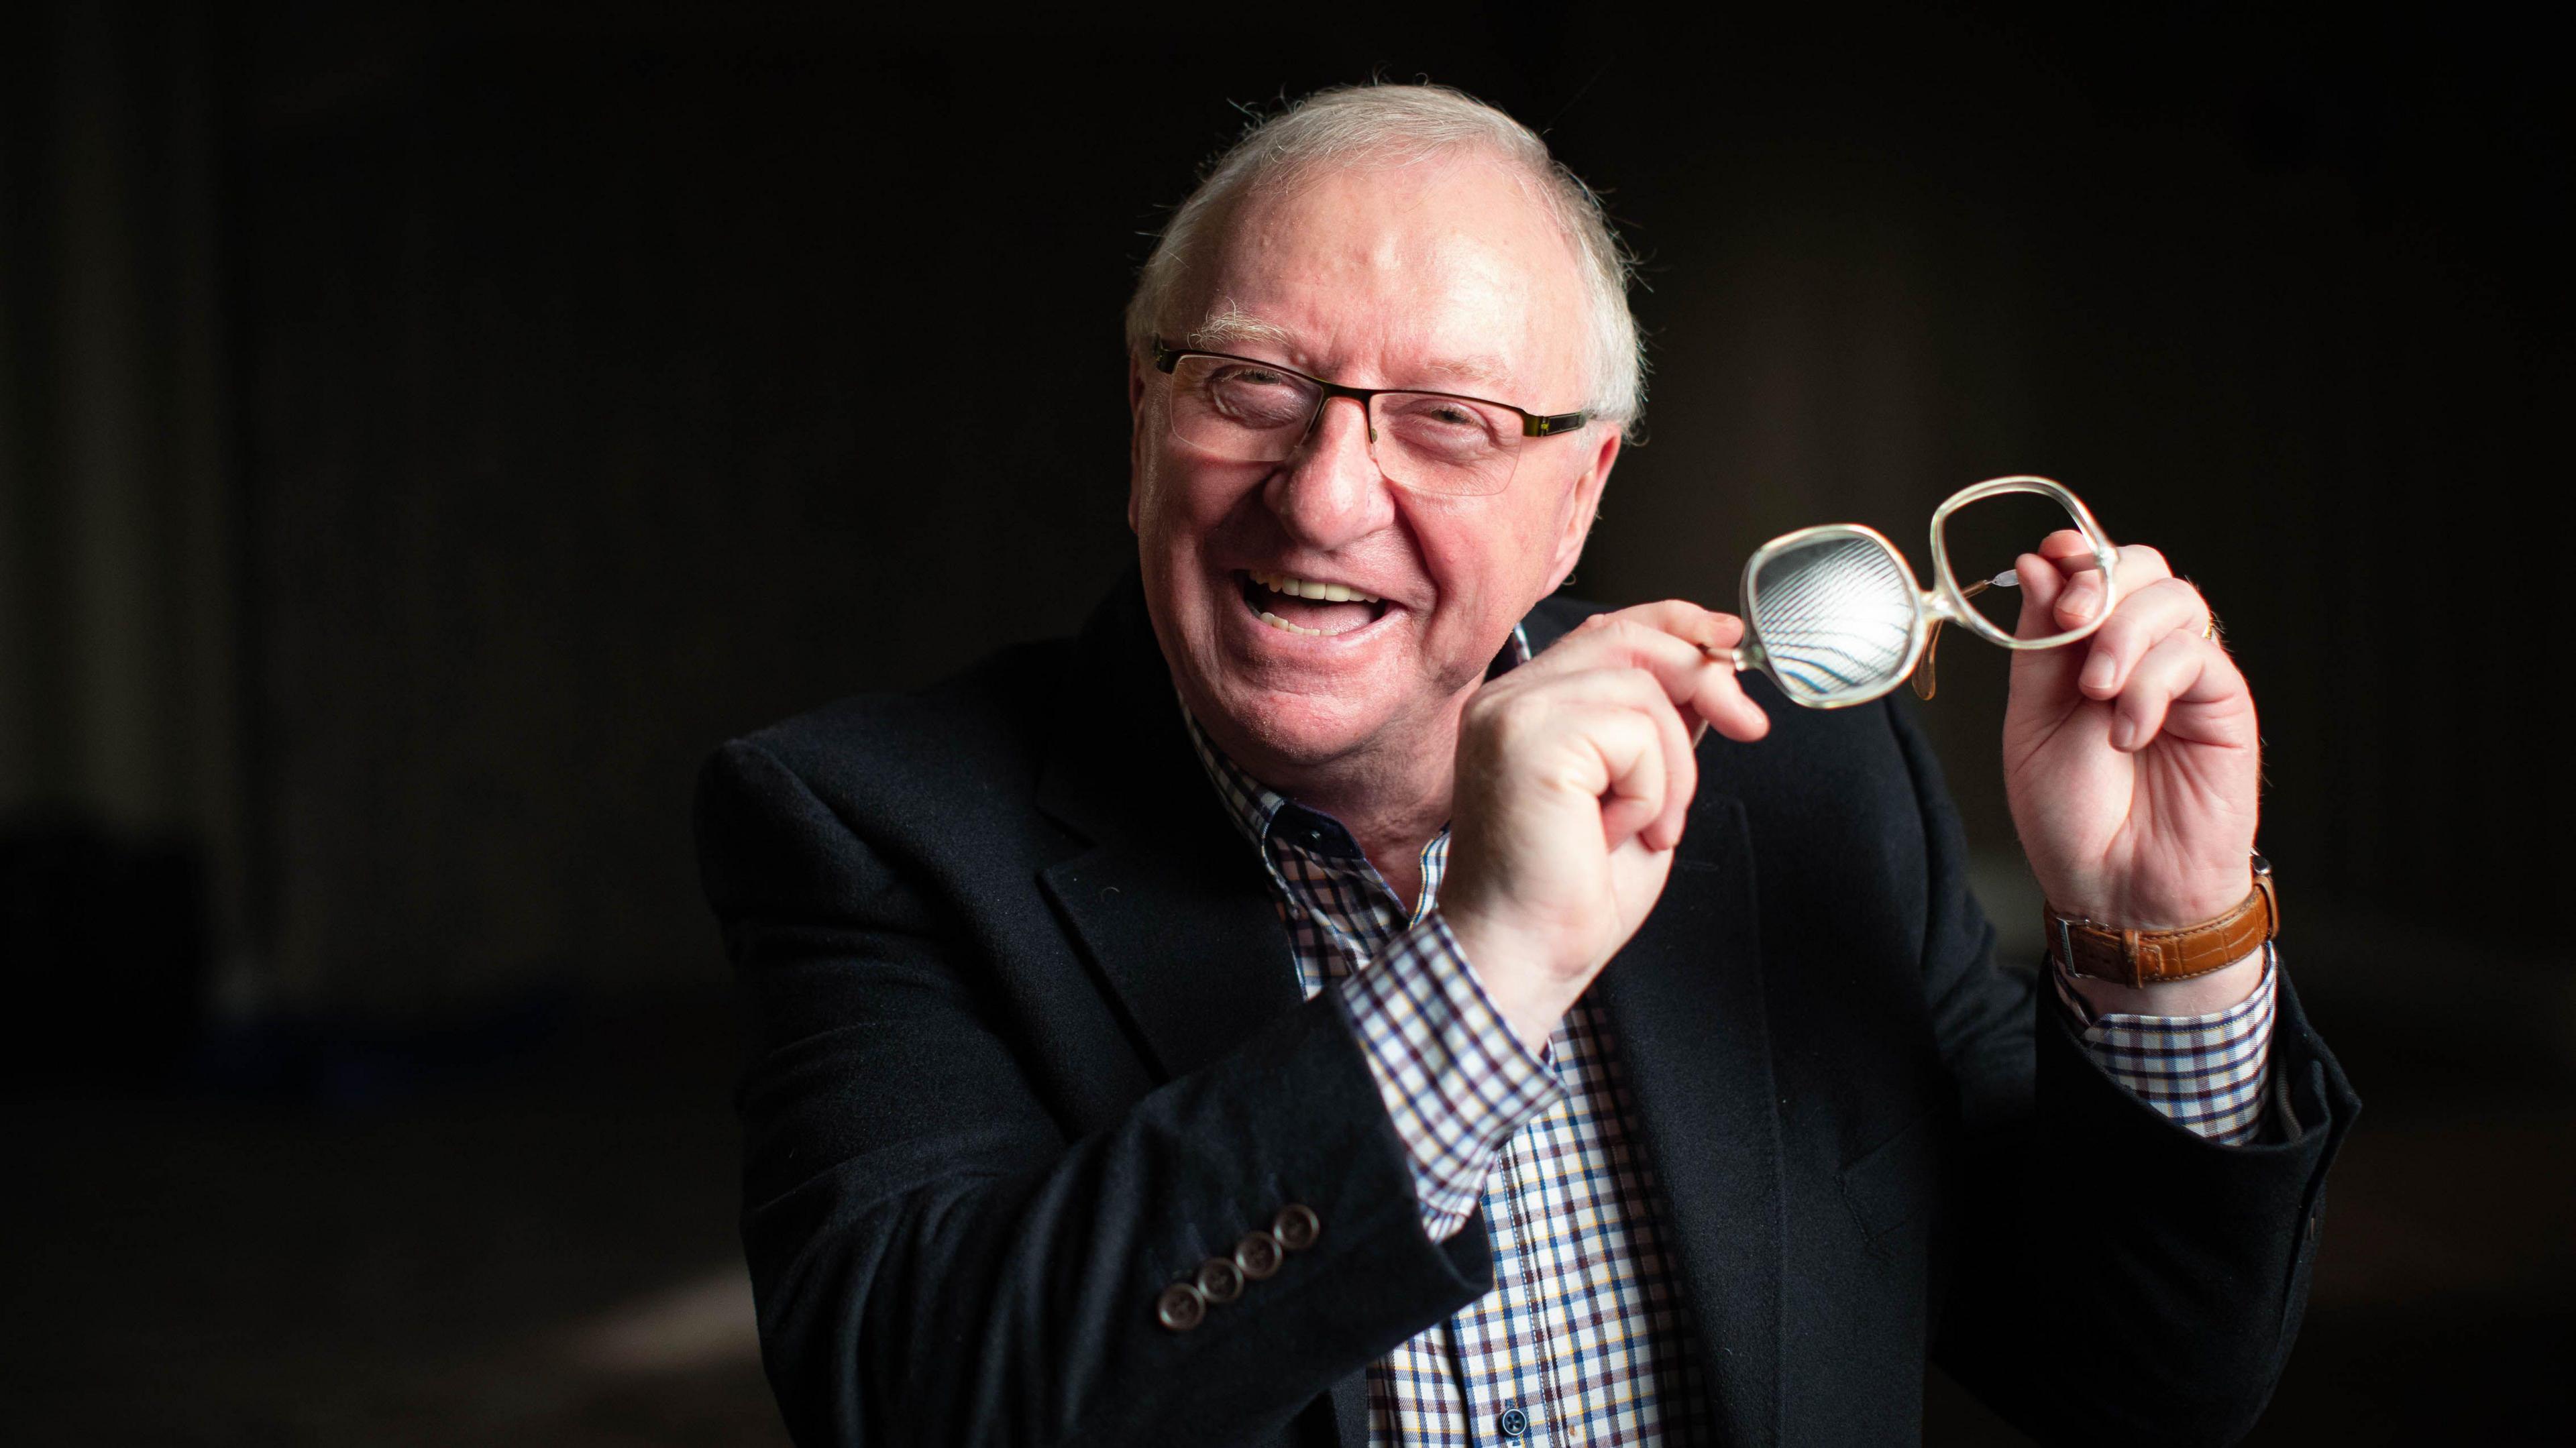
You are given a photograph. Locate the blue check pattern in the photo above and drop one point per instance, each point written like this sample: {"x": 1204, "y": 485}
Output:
{"x": 1583, "y": 1338}
{"x": 2209, "y": 1073}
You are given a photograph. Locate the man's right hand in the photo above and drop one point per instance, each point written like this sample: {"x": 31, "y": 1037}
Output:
{"x": 1575, "y": 773}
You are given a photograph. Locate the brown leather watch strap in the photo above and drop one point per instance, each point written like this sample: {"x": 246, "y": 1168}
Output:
{"x": 2154, "y": 957}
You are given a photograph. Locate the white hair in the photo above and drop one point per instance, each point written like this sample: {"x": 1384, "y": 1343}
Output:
{"x": 1399, "y": 125}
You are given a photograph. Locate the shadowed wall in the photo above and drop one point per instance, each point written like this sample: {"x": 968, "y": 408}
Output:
{"x": 595, "y": 385}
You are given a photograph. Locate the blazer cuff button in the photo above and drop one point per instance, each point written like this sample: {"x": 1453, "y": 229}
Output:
{"x": 1180, "y": 1308}
{"x": 1296, "y": 1227}
{"x": 1258, "y": 1254}
{"x": 1220, "y": 1280}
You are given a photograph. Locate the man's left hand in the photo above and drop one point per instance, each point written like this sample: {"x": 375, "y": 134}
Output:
{"x": 2131, "y": 758}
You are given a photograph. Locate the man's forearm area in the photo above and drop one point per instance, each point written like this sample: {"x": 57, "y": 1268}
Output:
{"x": 1456, "y": 1076}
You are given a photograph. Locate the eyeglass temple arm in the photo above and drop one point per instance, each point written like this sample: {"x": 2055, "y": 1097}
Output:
{"x": 1924, "y": 674}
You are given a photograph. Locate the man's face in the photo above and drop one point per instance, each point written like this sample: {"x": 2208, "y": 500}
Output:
{"x": 1446, "y": 276}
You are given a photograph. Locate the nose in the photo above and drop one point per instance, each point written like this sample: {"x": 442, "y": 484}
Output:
{"x": 1330, "y": 492}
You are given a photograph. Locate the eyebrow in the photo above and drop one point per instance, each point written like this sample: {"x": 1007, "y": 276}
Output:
{"x": 1232, "y": 327}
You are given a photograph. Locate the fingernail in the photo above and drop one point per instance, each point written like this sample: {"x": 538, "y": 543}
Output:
{"x": 2124, "y": 735}
{"x": 2097, "y": 673}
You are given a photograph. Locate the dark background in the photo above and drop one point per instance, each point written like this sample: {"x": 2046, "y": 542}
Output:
{"x": 426, "y": 431}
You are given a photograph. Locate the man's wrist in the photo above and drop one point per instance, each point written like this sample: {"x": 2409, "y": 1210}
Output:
{"x": 1521, "y": 992}
{"x": 2143, "y": 957}
{"x": 1455, "y": 1081}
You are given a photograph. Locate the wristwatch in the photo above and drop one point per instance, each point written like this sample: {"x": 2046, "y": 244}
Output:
{"x": 2156, "y": 957}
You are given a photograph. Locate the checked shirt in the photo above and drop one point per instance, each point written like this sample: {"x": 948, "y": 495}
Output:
{"x": 1583, "y": 1339}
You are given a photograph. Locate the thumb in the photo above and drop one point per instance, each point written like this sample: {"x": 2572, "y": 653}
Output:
{"x": 2039, "y": 674}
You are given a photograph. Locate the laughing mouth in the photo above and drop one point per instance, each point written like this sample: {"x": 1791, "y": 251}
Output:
{"x": 1308, "y": 606}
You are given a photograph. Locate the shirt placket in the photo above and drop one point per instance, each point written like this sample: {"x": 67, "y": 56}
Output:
{"x": 1502, "y": 1337}
{"x": 1555, "y": 1288}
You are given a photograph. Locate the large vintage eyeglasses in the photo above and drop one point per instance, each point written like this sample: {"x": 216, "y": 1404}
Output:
{"x": 1244, "y": 410}
{"x": 1833, "y": 613}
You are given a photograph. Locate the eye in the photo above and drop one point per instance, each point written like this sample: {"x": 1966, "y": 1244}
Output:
{"x": 1255, "y": 396}
{"x": 1431, "y": 415}
{"x": 1247, "y": 375}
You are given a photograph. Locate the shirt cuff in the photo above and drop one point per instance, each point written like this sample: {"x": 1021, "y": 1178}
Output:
{"x": 1456, "y": 1080}
{"x": 2205, "y": 1073}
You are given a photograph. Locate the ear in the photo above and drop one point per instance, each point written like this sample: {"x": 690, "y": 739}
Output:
{"x": 1135, "y": 434}
{"x": 1582, "y": 505}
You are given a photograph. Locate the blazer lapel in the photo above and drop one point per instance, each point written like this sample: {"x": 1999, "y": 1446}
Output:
{"x": 1168, "y": 902}
{"x": 1685, "y": 999}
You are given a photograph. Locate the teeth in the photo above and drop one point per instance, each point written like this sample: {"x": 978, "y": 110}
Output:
{"x": 1275, "y": 621}
{"x": 1304, "y": 588}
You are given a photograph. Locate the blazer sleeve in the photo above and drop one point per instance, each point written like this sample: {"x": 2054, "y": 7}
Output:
{"x": 937, "y": 1261}
{"x": 2119, "y": 1279}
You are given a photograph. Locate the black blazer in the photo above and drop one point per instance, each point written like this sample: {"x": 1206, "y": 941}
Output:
{"x": 1026, "y": 1046}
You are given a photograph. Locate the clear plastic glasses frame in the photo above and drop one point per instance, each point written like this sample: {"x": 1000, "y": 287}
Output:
{"x": 1843, "y": 592}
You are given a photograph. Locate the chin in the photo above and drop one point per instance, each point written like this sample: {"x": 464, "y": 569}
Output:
{"x": 1293, "y": 726}
{"x": 1307, "y": 731}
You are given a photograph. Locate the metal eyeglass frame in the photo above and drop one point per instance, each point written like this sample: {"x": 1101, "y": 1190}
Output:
{"x": 1533, "y": 424}
{"x": 1947, "y": 603}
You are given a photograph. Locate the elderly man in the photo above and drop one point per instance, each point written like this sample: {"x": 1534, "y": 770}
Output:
{"x": 1347, "y": 997}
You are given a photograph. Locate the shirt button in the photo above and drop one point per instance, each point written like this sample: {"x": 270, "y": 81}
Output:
{"x": 1180, "y": 1308}
{"x": 1296, "y": 1226}
{"x": 1512, "y": 1423}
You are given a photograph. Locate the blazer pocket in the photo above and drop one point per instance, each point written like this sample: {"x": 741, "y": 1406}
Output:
{"x": 1896, "y": 1181}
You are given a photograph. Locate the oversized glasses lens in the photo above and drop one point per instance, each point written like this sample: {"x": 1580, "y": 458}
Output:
{"x": 1984, "y": 538}
{"x": 1836, "y": 616}
{"x": 1244, "y": 412}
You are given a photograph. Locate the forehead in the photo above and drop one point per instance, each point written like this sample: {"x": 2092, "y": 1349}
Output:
{"x": 1449, "y": 265}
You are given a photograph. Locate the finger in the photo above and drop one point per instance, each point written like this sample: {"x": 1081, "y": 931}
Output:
{"x": 2137, "y": 566}
{"x": 1699, "y": 628}
{"x": 2042, "y": 674}
{"x": 1631, "y": 756}
{"x": 1719, "y": 696}
{"x": 2043, "y": 584}
{"x": 2142, "y": 620}
{"x": 1683, "y": 619}
{"x": 1669, "y": 640}
{"x": 1581, "y": 698}
{"x": 1681, "y": 779}
{"x": 2182, "y": 668}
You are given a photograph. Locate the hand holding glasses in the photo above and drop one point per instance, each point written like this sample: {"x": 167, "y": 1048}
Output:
{"x": 1833, "y": 613}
